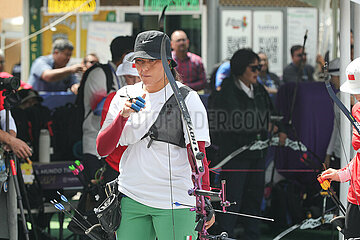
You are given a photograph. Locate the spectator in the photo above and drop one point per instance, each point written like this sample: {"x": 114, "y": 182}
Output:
{"x": 222, "y": 72}
{"x": 269, "y": 80}
{"x": 351, "y": 171}
{"x": 29, "y": 98}
{"x": 298, "y": 70}
{"x": 19, "y": 148}
{"x": 95, "y": 89}
{"x": 128, "y": 71}
{"x": 333, "y": 151}
{"x": 239, "y": 97}
{"x": 189, "y": 65}
{"x": 90, "y": 60}
{"x": 50, "y": 73}
{"x": 30, "y": 118}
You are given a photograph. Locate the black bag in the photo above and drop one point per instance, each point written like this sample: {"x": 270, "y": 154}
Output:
{"x": 103, "y": 213}
{"x": 68, "y": 121}
{"x": 91, "y": 198}
{"x": 109, "y": 211}
{"x": 29, "y": 122}
{"x": 67, "y": 127}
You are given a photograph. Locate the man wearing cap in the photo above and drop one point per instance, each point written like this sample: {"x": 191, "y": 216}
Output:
{"x": 127, "y": 70}
{"x": 352, "y": 171}
{"x": 189, "y": 65}
{"x": 333, "y": 151}
{"x": 95, "y": 89}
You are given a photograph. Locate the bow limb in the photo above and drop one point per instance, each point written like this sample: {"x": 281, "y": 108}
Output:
{"x": 259, "y": 145}
{"x": 195, "y": 156}
{"x": 341, "y": 106}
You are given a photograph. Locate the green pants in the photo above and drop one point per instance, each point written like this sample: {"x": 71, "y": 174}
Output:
{"x": 140, "y": 222}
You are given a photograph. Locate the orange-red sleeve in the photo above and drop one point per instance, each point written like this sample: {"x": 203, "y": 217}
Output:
{"x": 355, "y": 135}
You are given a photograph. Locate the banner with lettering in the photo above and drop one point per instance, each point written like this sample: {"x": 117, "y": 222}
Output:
{"x": 235, "y": 31}
{"x": 34, "y": 24}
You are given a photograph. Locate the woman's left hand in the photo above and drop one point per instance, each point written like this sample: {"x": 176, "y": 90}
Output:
{"x": 208, "y": 224}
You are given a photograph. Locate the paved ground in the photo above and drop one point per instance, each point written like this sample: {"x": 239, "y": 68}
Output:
{"x": 267, "y": 232}
{"x": 320, "y": 233}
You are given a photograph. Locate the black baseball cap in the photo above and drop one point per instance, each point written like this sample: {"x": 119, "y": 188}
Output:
{"x": 148, "y": 45}
{"x": 26, "y": 94}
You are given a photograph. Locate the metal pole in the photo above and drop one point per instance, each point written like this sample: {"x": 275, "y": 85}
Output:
{"x": 356, "y": 30}
{"x": 334, "y": 7}
{"x": 212, "y": 34}
{"x": 25, "y": 56}
{"x": 78, "y": 36}
{"x": 12, "y": 209}
{"x": 344, "y": 97}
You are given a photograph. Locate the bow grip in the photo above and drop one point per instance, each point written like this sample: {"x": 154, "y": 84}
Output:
{"x": 324, "y": 183}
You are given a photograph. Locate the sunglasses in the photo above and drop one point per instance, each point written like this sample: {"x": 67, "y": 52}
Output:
{"x": 255, "y": 67}
{"x": 92, "y": 62}
{"x": 300, "y": 54}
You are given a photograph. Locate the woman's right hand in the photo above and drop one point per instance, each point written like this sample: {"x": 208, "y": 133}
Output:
{"x": 331, "y": 174}
{"x": 127, "y": 110}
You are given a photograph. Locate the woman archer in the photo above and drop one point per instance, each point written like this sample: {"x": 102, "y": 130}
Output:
{"x": 144, "y": 121}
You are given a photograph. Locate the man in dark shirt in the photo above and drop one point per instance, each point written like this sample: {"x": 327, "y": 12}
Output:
{"x": 298, "y": 70}
{"x": 189, "y": 65}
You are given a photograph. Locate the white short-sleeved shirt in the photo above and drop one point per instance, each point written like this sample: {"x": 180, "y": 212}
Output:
{"x": 144, "y": 172}
{"x": 12, "y": 125}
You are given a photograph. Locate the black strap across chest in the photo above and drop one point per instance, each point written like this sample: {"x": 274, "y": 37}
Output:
{"x": 168, "y": 126}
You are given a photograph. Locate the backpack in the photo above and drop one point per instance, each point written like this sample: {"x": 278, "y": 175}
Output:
{"x": 68, "y": 121}
{"x": 109, "y": 82}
